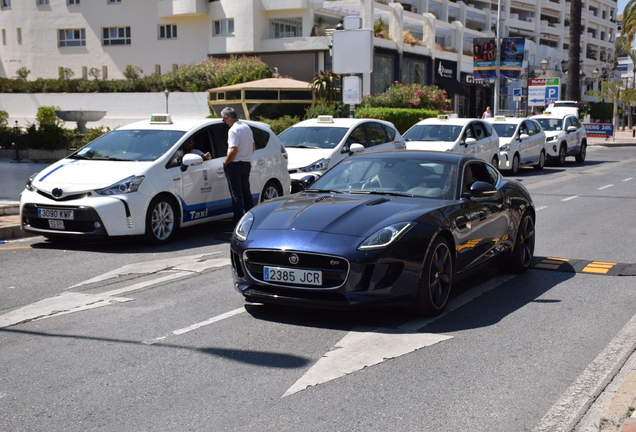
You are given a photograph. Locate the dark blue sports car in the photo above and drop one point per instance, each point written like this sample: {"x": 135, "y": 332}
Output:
{"x": 384, "y": 228}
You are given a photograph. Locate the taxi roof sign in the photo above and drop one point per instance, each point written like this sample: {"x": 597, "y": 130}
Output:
{"x": 443, "y": 117}
{"x": 500, "y": 118}
{"x": 324, "y": 119}
{"x": 161, "y": 119}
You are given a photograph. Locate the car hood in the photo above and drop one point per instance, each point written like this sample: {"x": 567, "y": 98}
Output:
{"x": 75, "y": 175}
{"x": 301, "y": 157}
{"x": 349, "y": 214}
{"x": 430, "y": 145}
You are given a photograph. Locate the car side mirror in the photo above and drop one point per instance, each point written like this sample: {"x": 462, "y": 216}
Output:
{"x": 469, "y": 141}
{"x": 355, "y": 148}
{"x": 571, "y": 129}
{"x": 480, "y": 189}
{"x": 524, "y": 137}
{"x": 192, "y": 159}
{"x": 305, "y": 182}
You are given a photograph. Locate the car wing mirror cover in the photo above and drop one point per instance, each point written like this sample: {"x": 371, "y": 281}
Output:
{"x": 571, "y": 128}
{"x": 523, "y": 137}
{"x": 470, "y": 141}
{"x": 356, "y": 148}
{"x": 307, "y": 181}
{"x": 192, "y": 159}
{"x": 481, "y": 189}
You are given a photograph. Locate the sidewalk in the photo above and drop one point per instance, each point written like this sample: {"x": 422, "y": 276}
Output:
{"x": 10, "y": 221}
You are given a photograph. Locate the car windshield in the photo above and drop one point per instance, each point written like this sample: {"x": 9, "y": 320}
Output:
{"x": 390, "y": 176}
{"x": 550, "y": 124}
{"x": 325, "y": 137}
{"x": 505, "y": 130}
{"x": 433, "y": 132}
{"x": 130, "y": 145}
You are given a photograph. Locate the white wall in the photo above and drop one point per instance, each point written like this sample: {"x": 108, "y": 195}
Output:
{"x": 121, "y": 108}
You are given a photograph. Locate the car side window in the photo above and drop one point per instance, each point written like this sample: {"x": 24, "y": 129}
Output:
{"x": 358, "y": 135}
{"x": 468, "y": 133}
{"x": 532, "y": 127}
{"x": 377, "y": 136}
{"x": 479, "y": 171}
{"x": 480, "y": 131}
{"x": 261, "y": 137}
{"x": 488, "y": 128}
{"x": 390, "y": 133}
{"x": 576, "y": 123}
{"x": 218, "y": 132}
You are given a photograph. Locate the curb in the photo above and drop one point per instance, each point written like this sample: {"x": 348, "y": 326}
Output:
{"x": 8, "y": 228}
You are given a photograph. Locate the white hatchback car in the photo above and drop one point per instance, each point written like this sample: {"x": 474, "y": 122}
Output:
{"x": 458, "y": 135}
{"x": 315, "y": 145}
{"x": 136, "y": 180}
{"x": 521, "y": 143}
{"x": 565, "y": 136}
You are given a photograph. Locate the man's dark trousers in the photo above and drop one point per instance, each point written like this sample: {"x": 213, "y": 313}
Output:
{"x": 238, "y": 180}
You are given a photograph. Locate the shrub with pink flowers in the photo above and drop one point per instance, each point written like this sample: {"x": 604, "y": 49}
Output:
{"x": 409, "y": 96}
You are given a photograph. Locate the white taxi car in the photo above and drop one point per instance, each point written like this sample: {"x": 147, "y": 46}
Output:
{"x": 136, "y": 180}
{"x": 457, "y": 135}
{"x": 315, "y": 145}
{"x": 521, "y": 143}
{"x": 565, "y": 136}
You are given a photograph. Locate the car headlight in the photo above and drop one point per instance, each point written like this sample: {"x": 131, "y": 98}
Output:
{"x": 29, "y": 184}
{"x": 244, "y": 226}
{"x": 320, "y": 165}
{"x": 505, "y": 147}
{"x": 385, "y": 236}
{"x": 552, "y": 138}
{"x": 129, "y": 185}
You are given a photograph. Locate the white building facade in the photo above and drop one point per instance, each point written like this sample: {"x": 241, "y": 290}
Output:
{"x": 424, "y": 41}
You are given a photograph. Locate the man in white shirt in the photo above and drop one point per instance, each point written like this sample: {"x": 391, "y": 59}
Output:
{"x": 237, "y": 164}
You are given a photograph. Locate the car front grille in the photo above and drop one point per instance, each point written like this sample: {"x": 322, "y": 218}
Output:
{"x": 334, "y": 269}
{"x": 83, "y": 222}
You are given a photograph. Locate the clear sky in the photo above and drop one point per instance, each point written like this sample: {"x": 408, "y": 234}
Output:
{"x": 621, "y": 6}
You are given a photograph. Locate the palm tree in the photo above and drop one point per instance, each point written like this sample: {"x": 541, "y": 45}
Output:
{"x": 629, "y": 23}
{"x": 632, "y": 56}
{"x": 573, "y": 84}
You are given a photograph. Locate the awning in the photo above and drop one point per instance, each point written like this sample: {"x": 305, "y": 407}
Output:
{"x": 451, "y": 85}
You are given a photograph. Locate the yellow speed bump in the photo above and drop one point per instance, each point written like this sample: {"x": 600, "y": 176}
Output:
{"x": 551, "y": 263}
{"x": 598, "y": 267}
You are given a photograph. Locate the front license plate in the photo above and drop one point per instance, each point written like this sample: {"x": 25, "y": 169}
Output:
{"x": 56, "y": 224}
{"x": 290, "y": 275}
{"x": 45, "y": 213}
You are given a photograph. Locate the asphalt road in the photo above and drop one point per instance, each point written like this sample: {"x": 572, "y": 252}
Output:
{"x": 118, "y": 336}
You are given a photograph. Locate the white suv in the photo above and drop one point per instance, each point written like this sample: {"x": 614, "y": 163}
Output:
{"x": 136, "y": 180}
{"x": 522, "y": 143}
{"x": 316, "y": 145}
{"x": 457, "y": 135}
{"x": 565, "y": 136}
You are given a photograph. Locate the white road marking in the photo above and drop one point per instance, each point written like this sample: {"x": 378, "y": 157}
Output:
{"x": 360, "y": 349}
{"x": 197, "y": 325}
{"x": 570, "y": 198}
{"x": 541, "y": 208}
{"x": 605, "y": 187}
{"x": 69, "y": 301}
{"x": 628, "y": 179}
{"x": 573, "y": 404}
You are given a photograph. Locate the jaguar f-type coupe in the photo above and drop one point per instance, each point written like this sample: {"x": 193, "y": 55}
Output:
{"x": 384, "y": 228}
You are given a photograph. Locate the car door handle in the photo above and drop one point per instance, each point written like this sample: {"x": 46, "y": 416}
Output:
{"x": 220, "y": 171}
{"x": 260, "y": 162}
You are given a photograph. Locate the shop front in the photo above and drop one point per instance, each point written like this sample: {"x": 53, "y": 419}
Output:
{"x": 480, "y": 95}
{"x": 445, "y": 77}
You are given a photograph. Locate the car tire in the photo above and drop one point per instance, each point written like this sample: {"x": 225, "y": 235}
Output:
{"x": 161, "y": 220}
{"x": 561, "y": 156}
{"x": 436, "y": 279}
{"x": 541, "y": 163}
{"x": 523, "y": 251}
{"x": 271, "y": 190}
{"x": 580, "y": 158}
{"x": 495, "y": 161}
{"x": 516, "y": 164}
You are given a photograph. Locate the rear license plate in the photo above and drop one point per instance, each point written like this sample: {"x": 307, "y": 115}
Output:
{"x": 56, "y": 224}
{"x": 290, "y": 275}
{"x": 45, "y": 213}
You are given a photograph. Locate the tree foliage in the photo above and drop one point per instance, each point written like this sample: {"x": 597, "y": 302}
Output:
{"x": 409, "y": 96}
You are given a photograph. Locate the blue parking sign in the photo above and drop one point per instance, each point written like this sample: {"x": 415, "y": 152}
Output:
{"x": 516, "y": 92}
{"x": 551, "y": 94}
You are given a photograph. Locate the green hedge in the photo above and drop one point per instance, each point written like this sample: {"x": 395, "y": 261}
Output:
{"x": 402, "y": 118}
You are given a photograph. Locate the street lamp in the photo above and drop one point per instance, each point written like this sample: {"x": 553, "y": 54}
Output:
{"x": 167, "y": 93}
{"x": 544, "y": 65}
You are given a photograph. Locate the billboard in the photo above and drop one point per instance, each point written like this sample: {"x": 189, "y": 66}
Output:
{"x": 484, "y": 56}
{"x": 511, "y": 59}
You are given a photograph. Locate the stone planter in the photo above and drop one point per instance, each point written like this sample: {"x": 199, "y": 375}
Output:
{"x": 39, "y": 155}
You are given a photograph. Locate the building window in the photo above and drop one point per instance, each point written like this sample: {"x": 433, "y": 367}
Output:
{"x": 6, "y": 3}
{"x": 73, "y": 2}
{"x": 168, "y": 31}
{"x": 175, "y": 67}
{"x": 284, "y": 28}
{"x": 157, "y": 69}
{"x": 72, "y": 37}
{"x": 19, "y": 34}
{"x": 4, "y": 37}
{"x": 116, "y": 36}
{"x": 224, "y": 27}
{"x": 43, "y": 2}
{"x": 85, "y": 72}
{"x": 104, "y": 72}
